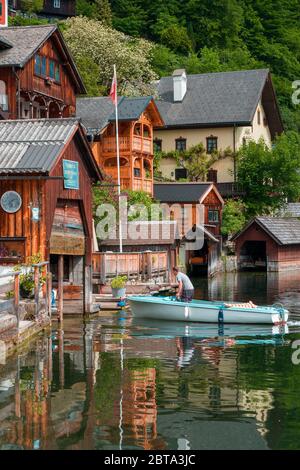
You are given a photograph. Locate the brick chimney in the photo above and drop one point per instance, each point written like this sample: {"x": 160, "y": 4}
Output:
{"x": 179, "y": 84}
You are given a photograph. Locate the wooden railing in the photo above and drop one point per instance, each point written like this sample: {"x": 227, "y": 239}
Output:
{"x": 139, "y": 144}
{"x": 11, "y": 290}
{"x": 144, "y": 265}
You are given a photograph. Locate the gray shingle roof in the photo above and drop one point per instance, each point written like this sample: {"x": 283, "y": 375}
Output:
{"x": 292, "y": 209}
{"x": 213, "y": 98}
{"x": 284, "y": 230}
{"x": 97, "y": 112}
{"x": 180, "y": 192}
{"x": 33, "y": 145}
{"x": 25, "y": 40}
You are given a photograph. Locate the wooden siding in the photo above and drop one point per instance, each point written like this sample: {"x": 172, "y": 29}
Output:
{"x": 256, "y": 233}
{"x": 63, "y": 91}
{"x": 20, "y": 224}
{"x": 55, "y": 190}
{"x": 67, "y": 8}
{"x": 45, "y": 194}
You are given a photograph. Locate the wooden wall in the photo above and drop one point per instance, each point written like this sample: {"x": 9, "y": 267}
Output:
{"x": 256, "y": 233}
{"x": 64, "y": 91}
{"x": 54, "y": 190}
{"x": 45, "y": 194}
{"x": 20, "y": 224}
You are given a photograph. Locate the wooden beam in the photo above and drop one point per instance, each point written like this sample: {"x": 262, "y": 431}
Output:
{"x": 60, "y": 290}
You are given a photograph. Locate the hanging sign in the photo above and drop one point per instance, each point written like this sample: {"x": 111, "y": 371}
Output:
{"x": 3, "y": 13}
{"x": 71, "y": 174}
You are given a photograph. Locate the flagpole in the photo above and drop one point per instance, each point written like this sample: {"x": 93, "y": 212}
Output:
{"x": 118, "y": 162}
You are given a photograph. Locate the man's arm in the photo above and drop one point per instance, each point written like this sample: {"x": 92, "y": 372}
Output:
{"x": 180, "y": 287}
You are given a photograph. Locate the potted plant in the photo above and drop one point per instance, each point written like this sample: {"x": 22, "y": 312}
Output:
{"x": 118, "y": 286}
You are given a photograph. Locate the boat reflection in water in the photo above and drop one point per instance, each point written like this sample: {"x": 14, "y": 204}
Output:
{"x": 115, "y": 382}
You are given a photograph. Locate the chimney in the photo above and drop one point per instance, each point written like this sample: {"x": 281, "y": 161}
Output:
{"x": 179, "y": 84}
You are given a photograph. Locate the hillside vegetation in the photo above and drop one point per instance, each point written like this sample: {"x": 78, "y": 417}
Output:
{"x": 199, "y": 35}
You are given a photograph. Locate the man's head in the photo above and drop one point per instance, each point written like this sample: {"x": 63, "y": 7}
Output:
{"x": 175, "y": 270}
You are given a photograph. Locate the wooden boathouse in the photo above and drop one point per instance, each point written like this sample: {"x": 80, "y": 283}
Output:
{"x": 269, "y": 243}
{"x": 197, "y": 209}
{"x": 46, "y": 175}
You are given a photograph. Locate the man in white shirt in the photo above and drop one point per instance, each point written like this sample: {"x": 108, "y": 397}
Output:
{"x": 185, "y": 287}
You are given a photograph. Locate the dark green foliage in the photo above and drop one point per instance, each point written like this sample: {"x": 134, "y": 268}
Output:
{"x": 269, "y": 177}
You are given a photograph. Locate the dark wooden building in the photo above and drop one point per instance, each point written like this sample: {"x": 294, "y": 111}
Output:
{"x": 46, "y": 175}
{"x": 269, "y": 243}
{"x": 38, "y": 77}
{"x": 51, "y": 8}
{"x": 197, "y": 209}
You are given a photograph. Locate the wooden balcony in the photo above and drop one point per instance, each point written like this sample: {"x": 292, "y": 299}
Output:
{"x": 138, "y": 144}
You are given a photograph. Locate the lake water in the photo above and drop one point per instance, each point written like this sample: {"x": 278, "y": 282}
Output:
{"x": 116, "y": 383}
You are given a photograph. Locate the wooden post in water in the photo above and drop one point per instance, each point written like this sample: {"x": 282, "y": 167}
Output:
{"x": 17, "y": 298}
{"x": 49, "y": 293}
{"x": 36, "y": 289}
{"x": 149, "y": 263}
{"x": 60, "y": 289}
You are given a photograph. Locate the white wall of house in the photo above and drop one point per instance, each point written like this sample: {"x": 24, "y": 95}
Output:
{"x": 225, "y": 135}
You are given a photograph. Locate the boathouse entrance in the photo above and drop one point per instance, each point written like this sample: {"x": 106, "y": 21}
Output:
{"x": 253, "y": 255}
{"x": 67, "y": 255}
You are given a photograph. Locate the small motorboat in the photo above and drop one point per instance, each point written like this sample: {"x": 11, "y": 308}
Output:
{"x": 169, "y": 308}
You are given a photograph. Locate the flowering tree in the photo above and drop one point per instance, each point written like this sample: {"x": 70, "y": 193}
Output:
{"x": 104, "y": 47}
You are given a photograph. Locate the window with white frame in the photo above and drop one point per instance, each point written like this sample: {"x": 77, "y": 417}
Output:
{"x": 56, "y": 3}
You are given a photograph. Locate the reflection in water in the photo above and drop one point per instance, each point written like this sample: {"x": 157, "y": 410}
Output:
{"x": 116, "y": 382}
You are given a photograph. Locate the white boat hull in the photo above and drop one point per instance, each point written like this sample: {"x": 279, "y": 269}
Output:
{"x": 205, "y": 312}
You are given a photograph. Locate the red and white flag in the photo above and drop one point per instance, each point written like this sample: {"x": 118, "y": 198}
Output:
{"x": 113, "y": 90}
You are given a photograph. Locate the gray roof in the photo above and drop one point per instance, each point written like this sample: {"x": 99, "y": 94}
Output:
{"x": 213, "y": 98}
{"x": 32, "y": 146}
{"x": 25, "y": 41}
{"x": 180, "y": 192}
{"x": 292, "y": 209}
{"x": 284, "y": 230}
{"x": 97, "y": 112}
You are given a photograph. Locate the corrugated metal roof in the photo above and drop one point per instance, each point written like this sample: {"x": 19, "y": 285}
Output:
{"x": 25, "y": 40}
{"x": 33, "y": 145}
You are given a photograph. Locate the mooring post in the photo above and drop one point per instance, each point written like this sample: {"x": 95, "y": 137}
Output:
{"x": 36, "y": 288}
{"x": 60, "y": 289}
{"x": 149, "y": 264}
{"x": 17, "y": 298}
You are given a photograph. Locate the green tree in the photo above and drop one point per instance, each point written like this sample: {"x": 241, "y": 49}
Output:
{"x": 105, "y": 47}
{"x": 103, "y": 12}
{"x": 233, "y": 217}
{"x": 269, "y": 177}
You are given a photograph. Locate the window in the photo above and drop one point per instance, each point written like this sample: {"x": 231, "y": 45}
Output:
{"x": 258, "y": 117}
{"x": 180, "y": 144}
{"x": 180, "y": 173}
{"x": 211, "y": 144}
{"x": 137, "y": 172}
{"x": 213, "y": 216}
{"x": 56, "y": 3}
{"x": 40, "y": 65}
{"x": 157, "y": 143}
{"x": 3, "y": 96}
{"x": 54, "y": 71}
{"x": 212, "y": 175}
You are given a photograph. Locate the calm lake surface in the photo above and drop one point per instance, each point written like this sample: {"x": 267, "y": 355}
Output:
{"x": 114, "y": 382}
